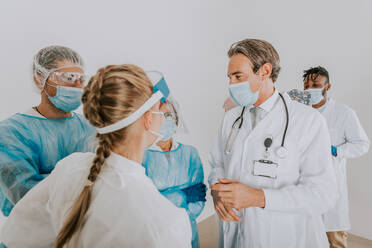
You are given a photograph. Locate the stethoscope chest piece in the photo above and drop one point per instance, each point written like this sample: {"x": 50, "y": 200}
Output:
{"x": 281, "y": 152}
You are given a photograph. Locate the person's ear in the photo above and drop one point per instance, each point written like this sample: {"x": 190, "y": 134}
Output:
{"x": 37, "y": 82}
{"x": 147, "y": 120}
{"x": 265, "y": 71}
{"x": 328, "y": 87}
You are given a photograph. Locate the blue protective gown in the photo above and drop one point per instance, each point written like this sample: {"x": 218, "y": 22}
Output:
{"x": 30, "y": 147}
{"x": 173, "y": 171}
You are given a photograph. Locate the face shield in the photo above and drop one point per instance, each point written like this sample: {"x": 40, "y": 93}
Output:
{"x": 175, "y": 111}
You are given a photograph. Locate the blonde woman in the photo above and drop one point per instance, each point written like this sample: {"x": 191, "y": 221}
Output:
{"x": 105, "y": 199}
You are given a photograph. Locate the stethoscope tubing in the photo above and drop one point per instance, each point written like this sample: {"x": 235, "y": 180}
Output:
{"x": 240, "y": 118}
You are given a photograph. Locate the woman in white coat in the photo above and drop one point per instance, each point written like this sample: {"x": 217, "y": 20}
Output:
{"x": 270, "y": 184}
{"x": 105, "y": 199}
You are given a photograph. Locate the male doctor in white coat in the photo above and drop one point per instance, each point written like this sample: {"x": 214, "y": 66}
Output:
{"x": 270, "y": 182}
{"x": 348, "y": 140}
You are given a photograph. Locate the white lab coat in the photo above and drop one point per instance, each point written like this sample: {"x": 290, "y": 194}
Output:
{"x": 304, "y": 189}
{"x": 126, "y": 209}
{"x": 351, "y": 141}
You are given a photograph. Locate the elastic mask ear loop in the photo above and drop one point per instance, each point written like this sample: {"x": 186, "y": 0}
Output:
{"x": 162, "y": 119}
{"x": 46, "y": 83}
{"x": 261, "y": 86}
{"x": 154, "y": 133}
{"x": 259, "y": 89}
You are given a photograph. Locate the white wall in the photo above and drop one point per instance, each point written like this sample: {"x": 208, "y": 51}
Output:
{"x": 188, "y": 41}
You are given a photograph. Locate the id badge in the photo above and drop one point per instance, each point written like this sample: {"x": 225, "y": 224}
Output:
{"x": 265, "y": 168}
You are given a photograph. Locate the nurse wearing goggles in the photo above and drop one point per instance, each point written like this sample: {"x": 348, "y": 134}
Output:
{"x": 33, "y": 141}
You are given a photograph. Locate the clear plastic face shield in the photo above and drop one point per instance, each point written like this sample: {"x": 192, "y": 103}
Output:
{"x": 172, "y": 111}
{"x": 161, "y": 92}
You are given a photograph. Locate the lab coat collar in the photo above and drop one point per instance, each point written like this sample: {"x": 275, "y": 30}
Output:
{"x": 270, "y": 102}
{"x": 322, "y": 108}
{"x": 124, "y": 165}
{"x": 275, "y": 107}
{"x": 328, "y": 106}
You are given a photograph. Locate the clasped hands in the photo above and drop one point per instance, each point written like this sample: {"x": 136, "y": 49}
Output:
{"x": 232, "y": 194}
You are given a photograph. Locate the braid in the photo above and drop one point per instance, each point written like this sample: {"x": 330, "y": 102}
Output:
{"x": 103, "y": 151}
{"x": 92, "y": 99}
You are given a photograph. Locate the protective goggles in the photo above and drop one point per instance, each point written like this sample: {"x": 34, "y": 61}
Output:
{"x": 68, "y": 77}
{"x": 161, "y": 92}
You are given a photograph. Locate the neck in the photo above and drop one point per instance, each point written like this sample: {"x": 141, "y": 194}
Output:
{"x": 265, "y": 93}
{"x": 49, "y": 111}
{"x": 322, "y": 102}
{"x": 166, "y": 145}
{"x": 131, "y": 149}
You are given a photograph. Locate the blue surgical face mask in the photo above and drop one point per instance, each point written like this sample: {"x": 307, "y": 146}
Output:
{"x": 67, "y": 98}
{"x": 168, "y": 129}
{"x": 316, "y": 95}
{"x": 242, "y": 95}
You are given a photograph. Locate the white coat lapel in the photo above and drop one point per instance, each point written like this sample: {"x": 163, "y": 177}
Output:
{"x": 329, "y": 107}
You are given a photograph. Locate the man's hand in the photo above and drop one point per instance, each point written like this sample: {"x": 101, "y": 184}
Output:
{"x": 238, "y": 195}
{"x": 226, "y": 213}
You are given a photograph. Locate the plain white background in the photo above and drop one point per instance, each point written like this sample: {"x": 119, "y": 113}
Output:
{"x": 188, "y": 41}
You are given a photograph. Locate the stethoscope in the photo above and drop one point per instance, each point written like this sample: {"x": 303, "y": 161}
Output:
{"x": 281, "y": 151}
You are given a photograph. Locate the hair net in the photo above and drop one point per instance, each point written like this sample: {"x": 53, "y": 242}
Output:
{"x": 182, "y": 128}
{"x": 46, "y": 61}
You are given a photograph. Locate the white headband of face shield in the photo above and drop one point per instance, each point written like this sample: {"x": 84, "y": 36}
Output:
{"x": 133, "y": 117}
{"x": 161, "y": 93}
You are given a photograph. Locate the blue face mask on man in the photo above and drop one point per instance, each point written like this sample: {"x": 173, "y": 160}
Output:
{"x": 242, "y": 94}
{"x": 67, "y": 98}
{"x": 316, "y": 95}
